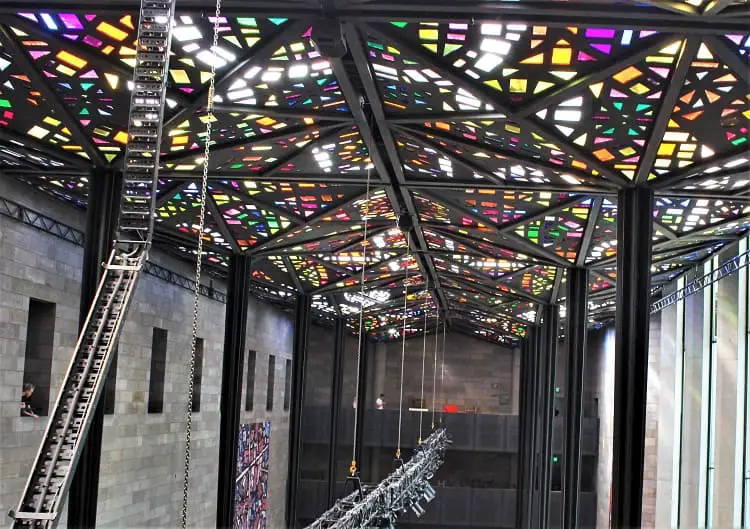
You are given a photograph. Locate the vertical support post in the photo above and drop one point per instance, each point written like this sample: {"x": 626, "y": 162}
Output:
{"x": 577, "y": 316}
{"x": 235, "y": 327}
{"x": 101, "y": 221}
{"x": 337, "y": 379}
{"x": 299, "y": 362}
{"x": 362, "y": 403}
{"x": 634, "y": 231}
{"x": 526, "y": 430}
{"x": 551, "y": 316}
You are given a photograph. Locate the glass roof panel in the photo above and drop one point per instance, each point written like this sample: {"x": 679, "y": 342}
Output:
{"x": 687, "y": 215}
{"x": 621, "y": 108}
{"x": 603, "y": 238}
{"x": 710, "y": 116}
{"x": 520, "y": 61}
{"x": 560, "y": 232}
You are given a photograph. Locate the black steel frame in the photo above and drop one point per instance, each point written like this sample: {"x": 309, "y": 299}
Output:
{"x": 233, "y": 361}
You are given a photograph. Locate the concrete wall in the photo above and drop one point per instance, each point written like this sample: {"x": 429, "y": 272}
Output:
{"x": 142, "y": 458}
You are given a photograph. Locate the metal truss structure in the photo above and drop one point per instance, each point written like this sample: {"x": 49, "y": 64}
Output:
{"x": 380, "y": 505}
{"x": 504, "y": 130}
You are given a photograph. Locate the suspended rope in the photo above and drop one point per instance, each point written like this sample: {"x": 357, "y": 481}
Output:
{"x": 403, "y": 349}
{"x": 424, "y": 355}
{"x": 434, "y": 365}
{"x": 442, "y": 375}
{"x": 198, "y": 263}
{"x": 353, "y": 467}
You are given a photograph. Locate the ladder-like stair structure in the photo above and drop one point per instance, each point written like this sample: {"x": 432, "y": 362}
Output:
{"x": 63, "y": 440}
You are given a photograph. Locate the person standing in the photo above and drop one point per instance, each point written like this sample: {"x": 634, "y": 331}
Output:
{"x": 380, "y": 402}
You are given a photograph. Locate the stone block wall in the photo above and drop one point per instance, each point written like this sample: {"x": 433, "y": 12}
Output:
{"x": 142, "y": 455}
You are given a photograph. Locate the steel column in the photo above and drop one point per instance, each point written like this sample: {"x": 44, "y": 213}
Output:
{"x": 634, "y": 230}
{"x": 235, "y": 326}
{"x": 551, "y": 317}
{"x": 577, "y": 319}
{"x": 101, "y": 220}
{"x": 526, "y": 430}
{"x": 337, "y": 379}
{"x": 364, "y": 348}
{"x": 302, "y": 313}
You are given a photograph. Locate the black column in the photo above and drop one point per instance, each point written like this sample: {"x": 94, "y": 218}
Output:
{"x": 634, "y": 230}
{"x": 577, "y": 315}
{"x": 337, "y": 379}
{"x": 235, "y": 330}
{"x": 299, "y": 361}
{"x": 551, "y": 317}
{"x": 362, "y": 403}
{"x": 527, "y": 419}
{"x": 102, "y": 212}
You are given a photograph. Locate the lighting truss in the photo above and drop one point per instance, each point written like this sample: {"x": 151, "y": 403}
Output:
{"x": 408, "y": 487}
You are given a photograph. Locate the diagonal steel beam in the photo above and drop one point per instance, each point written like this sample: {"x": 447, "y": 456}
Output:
{"x": 260, "y": 53}
{"x": 717, "y": 6}
{"x": 519, "y": 187}
{"x": 32, "y": 147}
{"x": 311, "y": 220}
{"x": 579, "y": 83}
{"x": 88, "y": 52}
{"x": 280, "y": 112}
{"x": 168, "y": 192}
{"x": 39, "y": 81}
{"x": 383, "y": 152}
{"x": 221, "y": 223}
{"x": 510, "y": 155}
{"x": 293, "y": 274}
{"x": 284, "y": 160}
{"x": 687, "y": 54}
{"x": 457, "y": 77}
{"x": 730, "y": 58}
{"x": 700, "y": 169}
{"x": 279, "y": 134}
{"x": 588, "y": 233}
{"x": 417, "y": 118}
{"x": 259, "y": 203}
{"x": 664, "y": 230}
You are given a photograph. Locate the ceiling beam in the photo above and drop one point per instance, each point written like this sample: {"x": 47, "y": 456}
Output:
{"x": 280, "y": 134}
{"x": 51, "y": 99}
{"x": 276, "y": 166}
{"x": 30, "y": 146}
{"x": 677, "y": 80}
{"x": 383, "y": 153}
{"x": 552, "y": 14}
{"x": 323, "y": 178}
{"x": 282, "y": 112}
{"x": 588, "y": 233}
{"x": 309, "y": 221}
{"x": 260, "y": 53}
{"x": 717, "y": 6}
{"x": 293, "y": 274}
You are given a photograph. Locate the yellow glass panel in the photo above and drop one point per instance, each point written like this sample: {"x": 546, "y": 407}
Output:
{"x": 428, "y": 34}
{"x": 111, "y": 31}
{"x": 51, "y": 121}
{"x": 266, "y": 121}
{"x": 65, "y": 70}
{"x": 534, "y": 59}
{"x": 628, "y": 74}
{"x": 604, "y": 155}
{"x": 639, "y": 89}
{"x": 179, "y": 76}
{"x": 180, "y": 140}
{"x": 121, "y": 137}
{"x": 518, "y": 85}
{"x": 562, "y": 56}
{"x": 112, "y": 79}
{"x": 666, "y": 149}
{"x": 71, "y": 59}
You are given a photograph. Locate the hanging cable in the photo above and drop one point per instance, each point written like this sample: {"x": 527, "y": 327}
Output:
{"x": 403, "y": 349}
{"x": 198, "y": 263}
{"x": 353, "y": 466}
{"x": 424, "y": 354}
{"x": 434, "y": 365}
{"x": 442, "y": 375}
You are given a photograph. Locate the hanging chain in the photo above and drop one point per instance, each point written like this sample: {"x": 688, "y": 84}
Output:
{"x": 403, "y": 348}
{"x": 366, "y": 217}
{"x": 442, "y": 374}
{"x": 424, "y": 354}
{"x": 434, "y": 365}
{"x": 198, "y": 263}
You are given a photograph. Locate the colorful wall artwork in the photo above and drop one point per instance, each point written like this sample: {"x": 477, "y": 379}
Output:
{"x": 251, "y": 483}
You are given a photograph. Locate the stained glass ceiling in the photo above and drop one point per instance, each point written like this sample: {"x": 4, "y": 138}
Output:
{"x": 506, "y": 142}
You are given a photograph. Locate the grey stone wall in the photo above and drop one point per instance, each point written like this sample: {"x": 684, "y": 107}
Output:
{"x": 142, "y": 456}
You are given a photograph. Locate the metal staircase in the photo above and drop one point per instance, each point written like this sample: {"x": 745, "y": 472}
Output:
{"x": 71, "y": 417}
